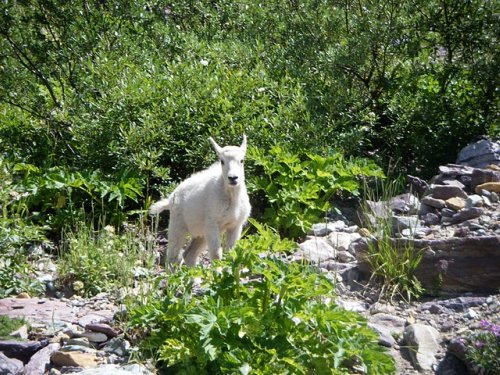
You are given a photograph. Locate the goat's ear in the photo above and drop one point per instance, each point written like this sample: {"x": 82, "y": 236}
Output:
{"x": 244, "y": 143}
{"x": 216, "y": 147}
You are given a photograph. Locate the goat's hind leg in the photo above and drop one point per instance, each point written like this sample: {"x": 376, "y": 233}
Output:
{"x": 177, "y": 233}
{"x": 193, "y": 251}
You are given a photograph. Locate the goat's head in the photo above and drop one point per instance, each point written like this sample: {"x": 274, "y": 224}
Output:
{"x": 231, "y": 159}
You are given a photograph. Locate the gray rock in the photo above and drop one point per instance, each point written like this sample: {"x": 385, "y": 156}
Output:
{"x": 422, "y": 342}
{"x": 349, "y": 272}
{"x": 21, "y": 333}
{"x": 404, "y": 222}
{"x": 117, "y": 346}
{"x": 463, "y": 264}
{"x": 22, "y": 350}
{"x": 393, "y": 323}
{"x": 456, "y": 304}
{"x": 379, "y": 307}
{"x": 456, "y": 183}
{"x": 315, "y": 250}
{"x": 103, "y": 328}
{"x": 340, "y": 241}
{"x": 474, "y": 200}
{"x": 493, "y": 197}
{"x": 40, "y": 361}
{"x": 10, "y": 366}
{"x": 323, "y": 229}
{"x": 447, "y": 191}
{"x": 384, "y": 335}
{"x": 371, "y": 212}
{"x": 79, "y": 341}
{"x": 93, "y": 318}
{"x": 132, "y": 369}
{"x": 447, "y": 212}
{"x": 471, "y": 314}
{"x": 481, "y": 176}
{"x": 467, "y": 214}
{"x": 480, "y": 154}
{"x": 96, "y": 337}
{"x": 78, "y": 348}
{"x": 351, "y": 305}
{"x": 345, "y": 257}
{"x": 431, "y": 219}
{"x": 433, "y": 202}
{"x": 417, "y": 185}
{"x": 407, "y": 204}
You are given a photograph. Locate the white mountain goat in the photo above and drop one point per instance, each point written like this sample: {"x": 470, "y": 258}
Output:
{"x": 209, "y": 204}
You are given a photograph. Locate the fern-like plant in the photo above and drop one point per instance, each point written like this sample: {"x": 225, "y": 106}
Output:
{"x": 297, "y": 188}
{"x": 254, "y": 313}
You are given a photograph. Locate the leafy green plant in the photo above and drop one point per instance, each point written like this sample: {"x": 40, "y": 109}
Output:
{"x": 9, "y": 325}
{"x": 298, "y": 187}
{"x": 483, "y": 349}
{"x": 392, "y": 261}
{"x": 254, "y": 313}
{"x": 93, "y": 261}
{"x": 59, "y": 193}
{"x": 17, "y": 275}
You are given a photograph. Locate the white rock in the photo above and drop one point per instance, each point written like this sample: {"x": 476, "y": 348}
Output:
{"x": 315, "y": 250}
{"x": 423, "y": 344}
{"x": 340, "y": 240}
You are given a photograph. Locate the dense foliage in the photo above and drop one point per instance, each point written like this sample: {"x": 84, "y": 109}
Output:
{"x": 139, "y": 85}
{"x": 105, "y": 104}
{"x": 255, "y": 314}
{"x": 297, "y": 188}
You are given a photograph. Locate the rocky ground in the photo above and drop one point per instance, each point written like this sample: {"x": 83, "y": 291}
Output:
{"x": 454, "y": 220}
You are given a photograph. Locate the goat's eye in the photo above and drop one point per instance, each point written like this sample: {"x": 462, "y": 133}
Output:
{"x": 222, "y": 162}
{"x": 242, "y": 161}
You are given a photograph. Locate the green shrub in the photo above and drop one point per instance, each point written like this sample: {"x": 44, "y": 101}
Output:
{"x": 483, "y": 348}
{"x": 57, "y": 194}
{"x": 93, "y": 261}
{"x": 297, "y": 188}
{"x": 254, "y": 313}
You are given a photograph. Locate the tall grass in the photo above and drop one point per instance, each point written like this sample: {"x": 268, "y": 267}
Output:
{"x": 97, "y": 259}
{"x": 393, "y": 261}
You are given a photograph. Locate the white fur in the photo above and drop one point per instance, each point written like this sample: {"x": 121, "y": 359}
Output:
{"x": 209, "y": 204}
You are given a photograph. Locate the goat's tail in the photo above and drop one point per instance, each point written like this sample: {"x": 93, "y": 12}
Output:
{"x": 159, "y": 206}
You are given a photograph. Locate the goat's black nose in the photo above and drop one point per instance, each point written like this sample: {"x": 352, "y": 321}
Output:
{"x": 233, "y": 179}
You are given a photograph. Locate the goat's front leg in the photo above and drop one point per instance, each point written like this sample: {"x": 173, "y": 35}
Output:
{"x": 232, "y": 235}
{"x": 214, "y": 242}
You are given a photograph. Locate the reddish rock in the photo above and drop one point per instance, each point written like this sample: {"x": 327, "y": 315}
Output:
{"x": 39, "y": 363}
{"x": 103, "y": 328}
{"x": 46, "y": 310}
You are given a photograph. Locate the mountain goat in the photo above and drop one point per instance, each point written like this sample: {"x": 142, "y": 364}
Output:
{"x": 209, "y": 204}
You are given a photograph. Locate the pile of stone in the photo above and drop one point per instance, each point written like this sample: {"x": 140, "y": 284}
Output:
{"x": 66, "y": 336}
{"x": 454, "y": 222}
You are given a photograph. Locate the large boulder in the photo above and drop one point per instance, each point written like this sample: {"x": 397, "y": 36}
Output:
{"x": 422, "y": 342}
{"x": 480, "y": 154}
{"x": 454, "y": 264}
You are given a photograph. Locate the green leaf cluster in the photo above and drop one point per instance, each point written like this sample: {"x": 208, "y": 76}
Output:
{"x": 297, "y": 188}
{"x": 58, "y": 194}
{"x": 254, "y": 313}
